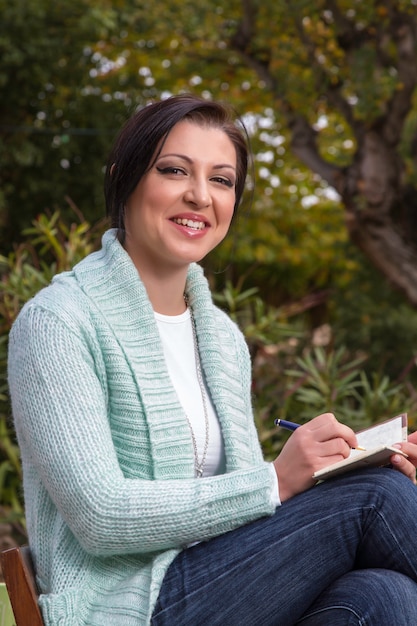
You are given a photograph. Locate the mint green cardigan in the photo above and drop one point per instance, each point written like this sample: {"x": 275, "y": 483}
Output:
{"x": 108, "y": 464}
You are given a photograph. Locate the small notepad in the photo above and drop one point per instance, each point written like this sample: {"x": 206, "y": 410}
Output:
{"x": 378, "y": 442}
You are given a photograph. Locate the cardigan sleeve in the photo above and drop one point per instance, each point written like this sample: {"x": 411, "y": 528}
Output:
{"x": 61, "y": 417}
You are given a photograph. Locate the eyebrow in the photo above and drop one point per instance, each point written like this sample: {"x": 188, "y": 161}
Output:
{"x": 219, "y": 166}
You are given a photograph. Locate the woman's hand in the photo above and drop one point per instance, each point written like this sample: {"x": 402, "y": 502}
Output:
{"x": 312, "y": 446}
{"x": 407, "y": 465}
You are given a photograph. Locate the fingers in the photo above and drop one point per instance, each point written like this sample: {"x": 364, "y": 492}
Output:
{"x": 337, "y": 447}
{"x": 404, "y": 466}
{"x": 413, "y": 438}
{"x": 410, "y": 449}
{"x": 323, "y": 441}
{"x": 325, "y": 428}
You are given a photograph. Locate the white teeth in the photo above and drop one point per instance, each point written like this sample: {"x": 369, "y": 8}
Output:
{"x": 189, "y": 223}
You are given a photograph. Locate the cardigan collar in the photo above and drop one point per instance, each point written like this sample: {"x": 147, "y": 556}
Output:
{"x": 111, "y": 281}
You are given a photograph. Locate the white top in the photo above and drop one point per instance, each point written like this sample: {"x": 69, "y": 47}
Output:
{"x": 177, "y": 339}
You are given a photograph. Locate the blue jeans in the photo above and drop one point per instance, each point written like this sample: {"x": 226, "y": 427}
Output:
{"x": 344, "y": 552}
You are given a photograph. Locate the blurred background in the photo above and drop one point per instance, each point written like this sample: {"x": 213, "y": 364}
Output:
{"x": 320, "y": 268}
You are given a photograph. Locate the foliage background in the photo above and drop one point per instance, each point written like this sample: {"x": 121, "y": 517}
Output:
{"x": 326, "y": 330}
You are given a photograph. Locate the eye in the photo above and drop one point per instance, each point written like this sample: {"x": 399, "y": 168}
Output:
{"x": 223, "y": 181}
{"x": 171, "y": 170}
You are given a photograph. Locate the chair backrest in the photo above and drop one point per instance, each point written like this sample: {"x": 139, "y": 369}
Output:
{"x": 20, "y": 581}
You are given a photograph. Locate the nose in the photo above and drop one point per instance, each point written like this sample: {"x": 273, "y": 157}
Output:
{"x": 198, "y": 193}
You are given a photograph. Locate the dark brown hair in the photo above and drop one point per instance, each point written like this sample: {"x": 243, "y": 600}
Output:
{"x": 135, "y": 147}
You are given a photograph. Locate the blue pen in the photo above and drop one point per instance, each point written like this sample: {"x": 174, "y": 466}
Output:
{"x": 293, "y": 426}
{"x": 286, "y": 425}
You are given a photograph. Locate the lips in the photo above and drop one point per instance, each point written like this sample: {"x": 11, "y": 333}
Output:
{"x": 195, "y": 225}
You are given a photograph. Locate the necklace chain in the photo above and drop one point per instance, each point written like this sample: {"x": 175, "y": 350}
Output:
{"x": 198, "y": 464}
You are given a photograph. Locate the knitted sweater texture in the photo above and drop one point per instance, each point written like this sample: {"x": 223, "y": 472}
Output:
{"x": 107, "y": 454}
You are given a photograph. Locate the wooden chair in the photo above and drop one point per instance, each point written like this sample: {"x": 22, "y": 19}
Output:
{"x": 19, "y": 577}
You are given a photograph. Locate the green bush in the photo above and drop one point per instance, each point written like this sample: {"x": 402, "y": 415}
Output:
{"x": 50, "y": 247}
{"x": 296, "y": 379}
{"x": 297, "y": 373}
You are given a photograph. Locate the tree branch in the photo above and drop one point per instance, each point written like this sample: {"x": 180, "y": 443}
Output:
{"x": 403, "y": 33}
{"x": 331, "y": 89}
{"x": 303, "y": 136}
{"x": 304, "y": 146}
{"x": 242, "y": 39}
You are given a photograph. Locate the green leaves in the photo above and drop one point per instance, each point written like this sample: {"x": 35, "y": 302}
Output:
{"x": 328, "y": 382}
{"x": 51, "y": 246}
{"x": 74, "y": 71}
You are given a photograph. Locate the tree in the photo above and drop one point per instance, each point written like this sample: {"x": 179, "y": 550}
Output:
{"x": 341, "y": 76}
{"x": 355, "y": 63}
{"x": 52, "y": 149}
{"x": 335, "y": 78}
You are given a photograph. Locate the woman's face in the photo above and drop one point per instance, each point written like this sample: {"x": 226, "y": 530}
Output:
{"x": 182, "y": 207}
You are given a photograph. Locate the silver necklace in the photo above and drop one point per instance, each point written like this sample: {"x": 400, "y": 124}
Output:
{"x": 198, "y": 464}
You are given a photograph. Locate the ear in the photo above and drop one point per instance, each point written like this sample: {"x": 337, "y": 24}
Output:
{"x": 112, "y": 169}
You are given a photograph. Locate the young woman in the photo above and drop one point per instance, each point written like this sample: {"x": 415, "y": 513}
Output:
{"x": 147, "y": 497}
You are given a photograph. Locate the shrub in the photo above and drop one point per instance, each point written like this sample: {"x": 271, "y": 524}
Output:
{"x": 50, "y": 247}
{"x": 297, "y": 373}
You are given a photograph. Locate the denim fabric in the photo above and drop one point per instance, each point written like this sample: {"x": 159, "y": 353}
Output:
{"x": 348, "y": 601}
{"x": 298, "y": 565}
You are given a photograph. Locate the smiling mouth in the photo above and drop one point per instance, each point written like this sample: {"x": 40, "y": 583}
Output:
{"x": 189, "y": 223}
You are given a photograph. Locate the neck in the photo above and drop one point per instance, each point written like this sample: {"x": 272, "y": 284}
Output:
{"x": 166, "y": 293}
